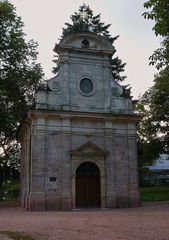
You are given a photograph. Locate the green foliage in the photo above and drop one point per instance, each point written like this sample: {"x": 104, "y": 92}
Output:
{"x": 117, "y": 67}
{"x": 19, "y": 72}
{"x": 153, "y": 130}
{"x": 85, "y": 20}
{"x": 159, "y": 108}
{"x": 19, "y": 77}
{"x": 154, "y": 104}
{"x": 148, "y": 152}
{"x": 11, "y": 190}
{"x": 9, "y": 162}
{"x": 155, "y": 111}
{"x": 159, "y": 12}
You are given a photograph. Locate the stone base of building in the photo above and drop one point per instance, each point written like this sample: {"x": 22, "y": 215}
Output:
{"x": 135, "y": 199}
{"x": 42, "y": 202}
{"x": 45, "y": 203}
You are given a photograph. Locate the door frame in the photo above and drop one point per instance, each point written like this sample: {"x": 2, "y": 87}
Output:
{"x": 99, "y": 162}
{"x": 83, "y": 186}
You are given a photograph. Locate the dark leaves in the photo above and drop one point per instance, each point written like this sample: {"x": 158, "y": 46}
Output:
{"x": 19, "y": 76}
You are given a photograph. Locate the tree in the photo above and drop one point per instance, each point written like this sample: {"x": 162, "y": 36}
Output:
{"x": 84, "y": 20}
{"x": 154, "y": 104}
{"x": 9, "y": 163}
{"x": 147, "y": 152}
{"x": 159, "y": 12}
{"x": 155, "y": 124}
{"x": 157, "y": 98}
{"x": 19, "y": 77}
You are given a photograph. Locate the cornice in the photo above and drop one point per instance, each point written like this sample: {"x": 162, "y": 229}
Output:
{"x": 46, "y": 113}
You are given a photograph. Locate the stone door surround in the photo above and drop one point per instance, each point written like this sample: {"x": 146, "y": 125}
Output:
{"x": 88, "y": 152}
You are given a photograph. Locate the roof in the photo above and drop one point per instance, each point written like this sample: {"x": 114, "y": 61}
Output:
{"x": 97, "y": 44}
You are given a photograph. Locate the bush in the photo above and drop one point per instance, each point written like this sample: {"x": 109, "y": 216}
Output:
{"x": 11, "y": 190}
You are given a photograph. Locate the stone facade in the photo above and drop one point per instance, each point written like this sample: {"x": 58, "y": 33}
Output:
{"x": 83, "y": 115}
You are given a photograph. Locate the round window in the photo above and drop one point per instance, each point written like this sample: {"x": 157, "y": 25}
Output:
{"x": 86, "y": 86}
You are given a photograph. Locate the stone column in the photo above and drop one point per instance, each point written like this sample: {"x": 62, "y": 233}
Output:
{"x": 37, "y": 182}
{"x": 109, "y": 166}
{"x": 65, "y": 85}
{"x": 25, "y": 157}
{"x": 100, "y": 162}
{"x": 73, "y": 190}
{"x": 133, "y": 172}
{"x": 66, "y": 196}
{"x": 121, "y": 168}
{"x": 22, "y": 175}
{"x": 53, "y": 168}
{"x": 27, "y": 170}
{"x": 107, "y": 85}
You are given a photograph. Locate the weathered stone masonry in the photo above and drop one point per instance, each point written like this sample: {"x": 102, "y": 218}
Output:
{"x": 82, "y": 116}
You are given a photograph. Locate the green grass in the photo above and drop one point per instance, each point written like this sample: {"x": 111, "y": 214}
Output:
{"x": 17, "y": 235}
{"x": 8, "y": 203}
{"x": 152, "y": 194}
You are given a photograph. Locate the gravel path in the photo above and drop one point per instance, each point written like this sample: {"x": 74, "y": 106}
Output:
{"x": 150, "y": 222}
{"x": 4, "y": 237}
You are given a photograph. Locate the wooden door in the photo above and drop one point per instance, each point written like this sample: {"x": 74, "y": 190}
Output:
{"x": 87, "y": 186}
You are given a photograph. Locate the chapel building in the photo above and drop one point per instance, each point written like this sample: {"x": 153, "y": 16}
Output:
{"x": 78, "y": 144}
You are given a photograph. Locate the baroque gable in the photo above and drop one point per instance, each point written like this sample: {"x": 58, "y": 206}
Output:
{"x": 84, "y": 81}
{"x": 89, "y": 148}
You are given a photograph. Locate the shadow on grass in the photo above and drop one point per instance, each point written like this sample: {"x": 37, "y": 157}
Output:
{"x": 17, "y": 235}
{"x": 10, "y": 203}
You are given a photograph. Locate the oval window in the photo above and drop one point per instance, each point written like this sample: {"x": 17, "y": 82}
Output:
{"x": 86, "y": 86}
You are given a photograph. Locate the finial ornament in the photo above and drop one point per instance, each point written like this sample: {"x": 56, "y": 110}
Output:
{"x": 83, "y": 15}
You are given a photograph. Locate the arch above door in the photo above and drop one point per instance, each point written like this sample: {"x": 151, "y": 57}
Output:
{"x": 88, "y": 186}
{"x": 89, "y": 152}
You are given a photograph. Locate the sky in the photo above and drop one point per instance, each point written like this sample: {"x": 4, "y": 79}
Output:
{"x": 44, "y": 20}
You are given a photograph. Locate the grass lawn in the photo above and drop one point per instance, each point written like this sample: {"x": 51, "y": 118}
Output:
{"x": 8, "y": 203}
{"x": 152, "y": 194}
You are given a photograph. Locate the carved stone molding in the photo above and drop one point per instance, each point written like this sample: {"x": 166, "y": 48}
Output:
{"x": 54, "y": 85}
{"x": 117, "y": 91}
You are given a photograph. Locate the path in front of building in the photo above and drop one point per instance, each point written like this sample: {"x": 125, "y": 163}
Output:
{"x": 147, "y": 223}
{"x": 4, "y": 237}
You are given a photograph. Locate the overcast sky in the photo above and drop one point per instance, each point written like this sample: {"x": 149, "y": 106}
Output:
{"x": 44, "y": 20}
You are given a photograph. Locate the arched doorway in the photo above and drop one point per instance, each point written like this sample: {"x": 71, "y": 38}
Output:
{"x": 87, "y": 186}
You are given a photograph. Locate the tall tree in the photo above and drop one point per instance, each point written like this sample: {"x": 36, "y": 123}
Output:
{"x": 158, "y": 96}
{"x": 85, "y": 20}
{"x": 154, "y": 104}
{"x": 19, "y": 77}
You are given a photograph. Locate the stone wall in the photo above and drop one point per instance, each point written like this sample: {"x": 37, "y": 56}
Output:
{"x": 72, "y": 124}
{"x": 50, "y": 183}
